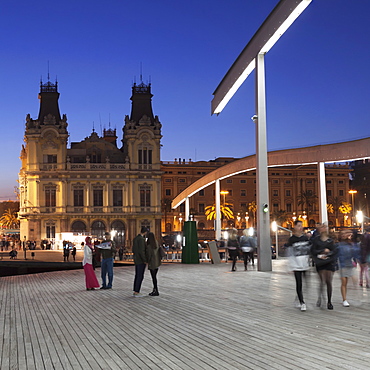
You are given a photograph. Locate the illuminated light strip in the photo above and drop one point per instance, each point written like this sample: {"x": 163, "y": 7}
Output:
{"x": 235, "y": 87}
{"x": 284, "y": 26}
{"x": 280, "y": 19}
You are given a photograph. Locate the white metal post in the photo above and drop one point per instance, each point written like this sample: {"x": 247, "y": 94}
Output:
{"x": 218, "y": 211}
{"x": 263, "y": 218}
{"x": 323, "y": 211}
{"x": 187, "y": 209}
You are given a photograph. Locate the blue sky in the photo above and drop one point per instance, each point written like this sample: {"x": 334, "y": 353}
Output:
{"x": 317, "y": 75}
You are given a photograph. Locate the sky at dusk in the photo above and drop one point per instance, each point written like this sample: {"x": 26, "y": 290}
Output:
{"x": 317, "y": 75}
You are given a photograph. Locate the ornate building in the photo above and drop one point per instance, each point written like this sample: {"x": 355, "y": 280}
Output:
{"x": 94, "y": 186}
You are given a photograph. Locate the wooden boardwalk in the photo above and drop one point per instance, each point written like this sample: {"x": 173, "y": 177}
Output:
{"x": 205, "y": 318}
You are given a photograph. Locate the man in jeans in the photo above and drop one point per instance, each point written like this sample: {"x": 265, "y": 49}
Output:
{"x": 107, "y": 251}
{"x": 139, "y": 252}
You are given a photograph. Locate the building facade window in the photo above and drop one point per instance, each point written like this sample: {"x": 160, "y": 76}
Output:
{"x": 50, "y": 158}
{"x": 275, "y": 193}
{"x": 98, "y": 229}
{"x": 289, "y": 207}
{"x": 201, "y": 207}
{"x": 144, "y": 195}
{"x": 78, "y": 227}
{"x": 50, "y": 231}
{"x": 145, "y": 155}
{"x": 117, "y": 198}
{"x": 50, "y": 196}
{"x": 201, "y": 193}
{"x": 98, "y": 197}
{"x": 287, "y": 193}
{"x": 341, "y": 193}
{"x": 78, "y": 197}
{"x": 243, "y": 193}
{"x": 168, "y": 192}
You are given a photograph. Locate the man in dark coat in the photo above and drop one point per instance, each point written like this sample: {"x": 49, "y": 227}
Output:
{"x": 139, "y": 252}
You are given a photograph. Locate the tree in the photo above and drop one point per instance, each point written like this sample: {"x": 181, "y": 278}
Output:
{"x": 226, "y": 211}
{"x": 307, "y": 199}
{"x": 279, "y": 216}
{"x": 336, "y": 203}
{"x": 9, "y": 219}
{"x": 345, "y": 208}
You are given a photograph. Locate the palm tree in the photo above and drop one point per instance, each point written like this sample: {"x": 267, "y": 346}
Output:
{"x": 345, "y": 208}
{"x": 252, "y": 208}
{"x": 307, "y": 199}
{"x": 9, "y": 219}
{"x": 279, "y": 216}
{"x": 226, "y": 211}
{"x": 336, "y": 203}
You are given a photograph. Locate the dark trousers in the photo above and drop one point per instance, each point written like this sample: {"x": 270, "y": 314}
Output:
{"x": 298, "y": 282}
{"x": 154, "y": 278}
{"x": 139, "y": 276}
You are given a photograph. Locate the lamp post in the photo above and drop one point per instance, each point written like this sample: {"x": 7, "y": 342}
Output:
{"x": 224, "y": 193}
{"x": 352, "y": 192}
{"x": 252, "y": 57}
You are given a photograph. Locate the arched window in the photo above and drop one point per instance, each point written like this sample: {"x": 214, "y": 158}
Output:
{"x": 201, "y": 225}
{"x": 78, "y": 227}
{"x": 118, "y": 228}
{"x": 98, "y": 229}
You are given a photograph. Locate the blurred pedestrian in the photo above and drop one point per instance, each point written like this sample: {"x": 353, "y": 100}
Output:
{"x": 324, "y": 254}
{"x": 139, "y": 254}
{"x": 154, "y": 261}
{"x": 66, "y": 251}
{"x": 247, "y": 245}
{"x": 90, "y": 277}
{"x": 298, "y": 248}
{"x": 233, "y": 246}
{"x": 365, "y": 258}
{"x": 347, "y": 253}
{"x": 73, "y": 253}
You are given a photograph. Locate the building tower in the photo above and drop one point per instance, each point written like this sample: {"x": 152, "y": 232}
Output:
{"x": 141, "y": 148}
{"x": 44, "y": 150}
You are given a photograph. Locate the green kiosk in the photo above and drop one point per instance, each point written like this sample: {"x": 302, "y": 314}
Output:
{"x": 190, "y": 252}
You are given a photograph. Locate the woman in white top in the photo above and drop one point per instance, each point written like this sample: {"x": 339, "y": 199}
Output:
{"x": 90, "y": 278}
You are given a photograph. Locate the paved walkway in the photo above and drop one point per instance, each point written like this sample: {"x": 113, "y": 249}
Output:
{"x": 205, "y": 318}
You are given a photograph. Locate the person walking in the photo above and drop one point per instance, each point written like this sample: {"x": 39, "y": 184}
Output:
{"x": 324, "y": 254}
{"x": 347, "y": 256}
{"x": 298, "y": 248}
{"x": 107, "y": 252}
{"x": 233, "y": 246}
{"x": 73, "y": 253}
{"x": 90, "y": 278}
{"x": 140, "y": 260}
{"x": 154, "y": 261}
{"x": 364, "y": 259}
{"x": 247, "y": 245}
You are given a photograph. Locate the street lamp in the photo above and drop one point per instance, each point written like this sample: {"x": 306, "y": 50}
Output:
{"x": 252, "y": 57}
{"x": 352, "y": 192}
{"x": 360, "y": 220}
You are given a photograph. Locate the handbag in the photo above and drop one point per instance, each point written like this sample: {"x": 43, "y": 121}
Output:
{"x": 161, "y": 252}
